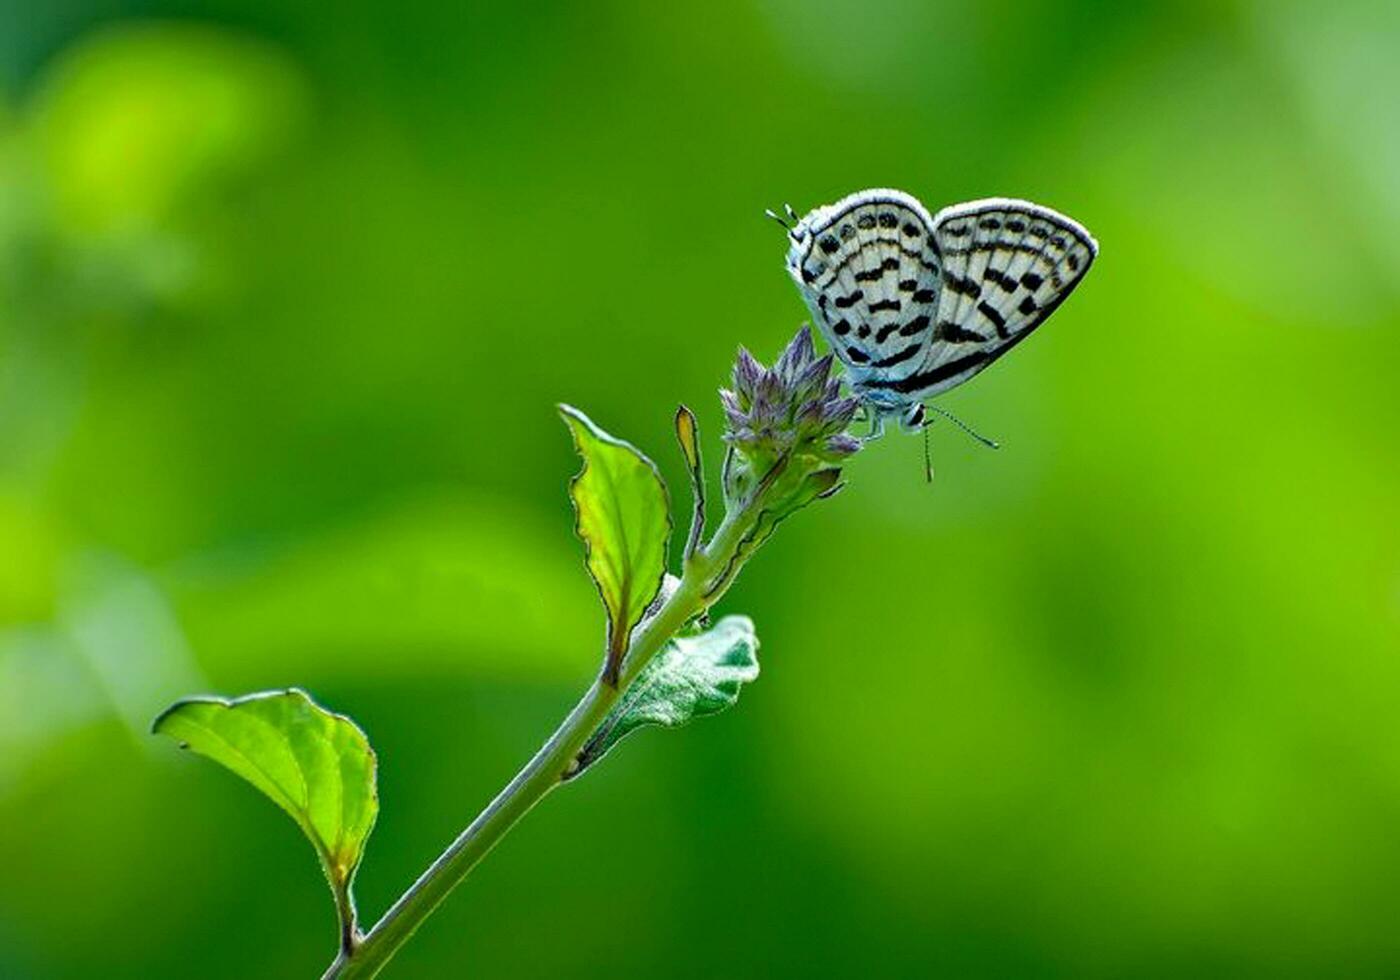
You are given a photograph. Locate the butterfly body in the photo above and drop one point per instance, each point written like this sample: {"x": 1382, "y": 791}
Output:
{"x": 914, "y": 304}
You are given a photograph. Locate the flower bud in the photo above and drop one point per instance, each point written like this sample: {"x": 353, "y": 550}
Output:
{"x": 790, "y": 421}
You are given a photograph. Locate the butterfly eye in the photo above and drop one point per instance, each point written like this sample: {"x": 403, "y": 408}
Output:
{"x": 914, "y": 416}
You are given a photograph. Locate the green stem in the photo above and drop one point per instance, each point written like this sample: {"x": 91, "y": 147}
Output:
{"x": 345, "y": 914}
{"x": 696, "y": 592}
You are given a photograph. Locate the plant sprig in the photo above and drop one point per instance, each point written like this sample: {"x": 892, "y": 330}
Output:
{"x": 786, "y": 438}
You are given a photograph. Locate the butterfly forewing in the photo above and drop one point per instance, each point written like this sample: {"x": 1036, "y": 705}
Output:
{"x": 1006, "y": 266}
{"x": 869, "y": 270}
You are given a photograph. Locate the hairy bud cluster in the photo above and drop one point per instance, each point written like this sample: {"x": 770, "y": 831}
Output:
{"x": 793, "y": 407}
{"x": 787, "y": 423}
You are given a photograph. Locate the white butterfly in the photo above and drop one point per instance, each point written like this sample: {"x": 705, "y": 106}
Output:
{"x": 914, "y": 305}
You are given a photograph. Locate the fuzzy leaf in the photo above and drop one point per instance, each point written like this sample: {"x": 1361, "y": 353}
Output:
{"x": 624, "y": 519}
{"x": 692, "y": 677}
{"x": 316, "y": 765}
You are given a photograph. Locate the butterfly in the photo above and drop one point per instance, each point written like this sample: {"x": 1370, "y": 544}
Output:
{"x": 914, "y": 304}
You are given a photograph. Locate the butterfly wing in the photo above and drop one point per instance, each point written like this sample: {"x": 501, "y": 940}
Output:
{"x": 869, "y": 270}
{"x": 1007, "y": 265}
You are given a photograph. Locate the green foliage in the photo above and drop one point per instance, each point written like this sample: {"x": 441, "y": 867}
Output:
{"x": 140, "y": 120}
{"x": 314, "y": 764}
{"x": 624, "y": 519}
{"x": 692, "y": 677}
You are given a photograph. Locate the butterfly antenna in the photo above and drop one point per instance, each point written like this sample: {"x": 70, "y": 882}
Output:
{"x": 964, "y": 426}
{"x": 774, "y": 215}
{"x": 792, "y": 215}
{"x": 928, "y": 458}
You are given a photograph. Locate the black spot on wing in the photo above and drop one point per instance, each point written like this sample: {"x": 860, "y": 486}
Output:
{"x": 956, "y": 333}
{"x": 877, "y": 273}
{"x": 995, "y": 245}
{"x": 927, "y": 379}
{"x": 1000, "y": 278}
{"x": 928, "y": 262}
{"x": 857, "y": 355}
{"x": 994, "y": 316}
{"x": 925, "y": 296}
{"x": 884, "y": 304}
{"x": 1036, "y": 252}
{"x": 841, "y": 328}
{"x": 914, "y": 326}
{"x": 898, "y": 357}
{"x": 961, "y": 285}
{"x": 846, "y": 302}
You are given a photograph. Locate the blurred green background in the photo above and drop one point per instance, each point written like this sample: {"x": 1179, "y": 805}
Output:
{"x": 288, "y": 291}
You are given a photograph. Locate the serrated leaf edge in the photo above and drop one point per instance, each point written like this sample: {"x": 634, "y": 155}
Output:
{"x": 619, "y": 636}
{"x": 340, "y": 879}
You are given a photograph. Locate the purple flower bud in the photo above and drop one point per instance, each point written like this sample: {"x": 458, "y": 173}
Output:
{"x": 795, "y": 407}
{"x": 747, "y": 371}
{"x": 811, "y": 413}
{"x": 838, "y": 412}
{"x": 812, "y": 379}
{"x": 796, "y": 356}
{"x": 732, "y": 410}
{"x": 842, "y": 445}
{"x": 768, "y": 395}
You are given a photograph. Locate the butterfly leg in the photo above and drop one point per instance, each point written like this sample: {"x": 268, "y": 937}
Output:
{"x": 866, "y": 413}
{"x": 877, "y": 426}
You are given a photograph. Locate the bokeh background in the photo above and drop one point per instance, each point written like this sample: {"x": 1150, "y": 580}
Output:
{"x": 288, "y": 292}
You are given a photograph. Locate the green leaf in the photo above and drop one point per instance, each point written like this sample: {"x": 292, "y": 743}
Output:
{"x": 316, "y": 765}
{"x": 624, "y": 520}
{"x": 691, "y": 677}
{"x": 688, "y": 435}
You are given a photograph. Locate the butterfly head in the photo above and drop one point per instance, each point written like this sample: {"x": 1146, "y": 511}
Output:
{"x": 795, "y": 226}
{"x": 913, "y": 417}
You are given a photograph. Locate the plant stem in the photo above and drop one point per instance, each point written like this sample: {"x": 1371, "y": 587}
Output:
{"x": 345, "y": 913}
{"x": 545, "y": 771}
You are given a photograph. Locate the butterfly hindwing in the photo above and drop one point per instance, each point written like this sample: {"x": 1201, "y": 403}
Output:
{"x": 869, "y": 270}
{"x": 1006, "y": 266}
